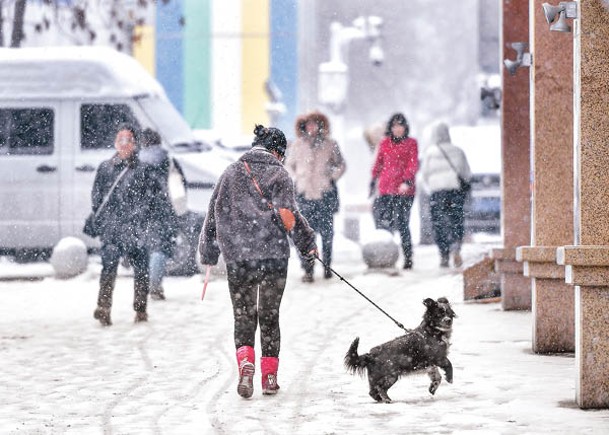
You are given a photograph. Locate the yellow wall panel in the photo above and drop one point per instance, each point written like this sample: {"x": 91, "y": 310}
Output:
{"x": 143, "y": 47}
{"x": 255, "y": 55}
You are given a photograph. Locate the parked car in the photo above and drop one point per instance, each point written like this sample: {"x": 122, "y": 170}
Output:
{"x": 59, "y": 108}
{"x": 227, "y": 147}
{"x": 482, "y": 146}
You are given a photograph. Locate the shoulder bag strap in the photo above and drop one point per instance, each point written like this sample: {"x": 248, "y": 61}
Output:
{"x": 105, "y": 200}
{"x": 268, "y": 203}
{"x": 450, "y": 163}
{"x": 257, "y": 186}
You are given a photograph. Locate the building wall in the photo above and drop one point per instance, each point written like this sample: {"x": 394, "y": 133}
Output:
{"x": 214, "y": 58}
{"x": 197, "y": 108}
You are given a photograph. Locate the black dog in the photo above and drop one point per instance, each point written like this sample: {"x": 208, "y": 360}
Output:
{"x": 424, "y": 348}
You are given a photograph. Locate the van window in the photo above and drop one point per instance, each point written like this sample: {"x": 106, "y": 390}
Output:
{"x": 26, "y": 131}
{"x": 98, "y": 124}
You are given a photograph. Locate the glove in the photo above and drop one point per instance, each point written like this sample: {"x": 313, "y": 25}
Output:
{"x": 406, "y": 187}
{"x": 311, "y": 256}
{"x": 372, "y": 188}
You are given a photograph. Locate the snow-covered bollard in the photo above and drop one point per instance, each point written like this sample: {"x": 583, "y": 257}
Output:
{"x": 69, "y": 257}
{"x": 380, "y": 250}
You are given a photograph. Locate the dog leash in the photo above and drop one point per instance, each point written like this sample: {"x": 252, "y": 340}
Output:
{"x": 361, "y": 294}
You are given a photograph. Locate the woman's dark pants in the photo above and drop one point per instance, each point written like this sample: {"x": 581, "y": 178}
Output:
{"x": 447, "y": 220}
{"x": 320, "y": 217}
{"x": 256, "y": 288}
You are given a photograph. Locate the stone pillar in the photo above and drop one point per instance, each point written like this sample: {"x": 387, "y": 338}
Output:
{"x": 553, "y": 324}
{"x": 587, "y": 263}
{"x": 515, "y": 172}
{"x": 515, "y": 287}
{"x": 552, "y": 176}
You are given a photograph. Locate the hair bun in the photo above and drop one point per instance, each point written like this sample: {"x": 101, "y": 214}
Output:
{"x": 259, "y": 130}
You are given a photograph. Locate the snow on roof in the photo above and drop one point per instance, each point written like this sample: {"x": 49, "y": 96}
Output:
{"x": 72, "y": 72}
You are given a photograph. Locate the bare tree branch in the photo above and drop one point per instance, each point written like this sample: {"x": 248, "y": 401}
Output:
{"x": 1, "y": 24}
{"x": 18, "y": 34}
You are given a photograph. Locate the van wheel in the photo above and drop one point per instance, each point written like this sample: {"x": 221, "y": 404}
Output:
{"x": 183, "y": 262}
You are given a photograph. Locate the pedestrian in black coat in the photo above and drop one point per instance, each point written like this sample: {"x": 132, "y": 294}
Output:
{"x": 164, "y": 223}
{"x": 124, "y": 221}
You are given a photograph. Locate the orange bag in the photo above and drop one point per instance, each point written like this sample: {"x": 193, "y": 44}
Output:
{"x": 288, "y": 219}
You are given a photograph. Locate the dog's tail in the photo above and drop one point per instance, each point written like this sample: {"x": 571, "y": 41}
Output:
{"x": 355, "y": 363}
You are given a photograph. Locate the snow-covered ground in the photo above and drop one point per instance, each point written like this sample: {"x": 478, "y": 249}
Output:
{"x": 61, "y": 372}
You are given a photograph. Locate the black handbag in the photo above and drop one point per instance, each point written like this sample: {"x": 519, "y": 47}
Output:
{"x": 92, "y": 227}
{"x": 465, "y": 186}
{"x": 382, "y": 213}
{"x": 331, "y": 198}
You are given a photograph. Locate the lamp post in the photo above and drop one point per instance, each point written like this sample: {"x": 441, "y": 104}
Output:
{"x": 333, "y": 76}
{"x": 333, "y": 83}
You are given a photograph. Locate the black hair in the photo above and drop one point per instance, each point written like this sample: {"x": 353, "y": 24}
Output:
{"x": 270, "y": 138}
{"x": 150, "y": 138}
{"x": 397, "y": 118}
{"x": 132, "y": 128}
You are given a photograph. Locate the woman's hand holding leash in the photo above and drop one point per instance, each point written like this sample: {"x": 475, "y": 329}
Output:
{"x": 311, "y": 256}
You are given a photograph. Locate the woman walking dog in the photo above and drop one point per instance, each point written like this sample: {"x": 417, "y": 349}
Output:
{"x": 251, "y": 213}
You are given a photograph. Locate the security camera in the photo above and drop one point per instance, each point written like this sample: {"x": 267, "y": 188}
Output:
{"x": 376, "y": 55}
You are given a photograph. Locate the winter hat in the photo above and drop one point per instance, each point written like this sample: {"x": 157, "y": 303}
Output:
{"x": 270, "y": 138}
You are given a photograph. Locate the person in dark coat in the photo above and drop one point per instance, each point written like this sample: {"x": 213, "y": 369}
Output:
{"x": 251, "y": 213}
{"x": 164, "y": 224}
{"x": 124, "y": 222}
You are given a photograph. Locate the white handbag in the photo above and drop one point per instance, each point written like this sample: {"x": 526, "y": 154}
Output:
{"x": 177, "y": 190}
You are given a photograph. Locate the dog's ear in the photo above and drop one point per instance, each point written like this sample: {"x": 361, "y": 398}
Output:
{"x": 443, "y": 301}
{"x": 429, "y": 302}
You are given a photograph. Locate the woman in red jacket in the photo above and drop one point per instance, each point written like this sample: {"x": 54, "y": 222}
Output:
{"x": 393, "y": 174}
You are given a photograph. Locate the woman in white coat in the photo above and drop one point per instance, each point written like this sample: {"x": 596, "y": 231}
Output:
{"x": 444, "y": 167}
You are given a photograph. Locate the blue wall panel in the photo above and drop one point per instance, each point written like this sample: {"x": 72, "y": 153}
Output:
{"x": 284, "y": 58}
{"x": 169, "y": 50}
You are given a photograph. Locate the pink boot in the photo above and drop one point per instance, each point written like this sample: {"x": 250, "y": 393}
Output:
{"x": 269, "y": 366}
{"x": 245, "y": 360}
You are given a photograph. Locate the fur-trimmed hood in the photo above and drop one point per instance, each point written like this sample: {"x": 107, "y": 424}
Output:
{"x": 319, "y": 118}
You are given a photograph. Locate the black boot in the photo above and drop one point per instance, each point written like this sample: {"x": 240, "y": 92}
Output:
{"x": 308, "y": 276}
{"x": 103, "y": 315}
{"x": 444, "y": 260}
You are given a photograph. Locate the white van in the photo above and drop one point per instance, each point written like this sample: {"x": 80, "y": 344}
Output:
{"x": 59, "y": 108}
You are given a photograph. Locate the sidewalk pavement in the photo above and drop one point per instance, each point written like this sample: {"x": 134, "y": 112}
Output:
{"x": 61, "y": 372}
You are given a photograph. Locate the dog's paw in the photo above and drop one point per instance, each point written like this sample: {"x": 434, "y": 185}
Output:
{"x": 433, "y": 387}
{"x": 449, "y": 379}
